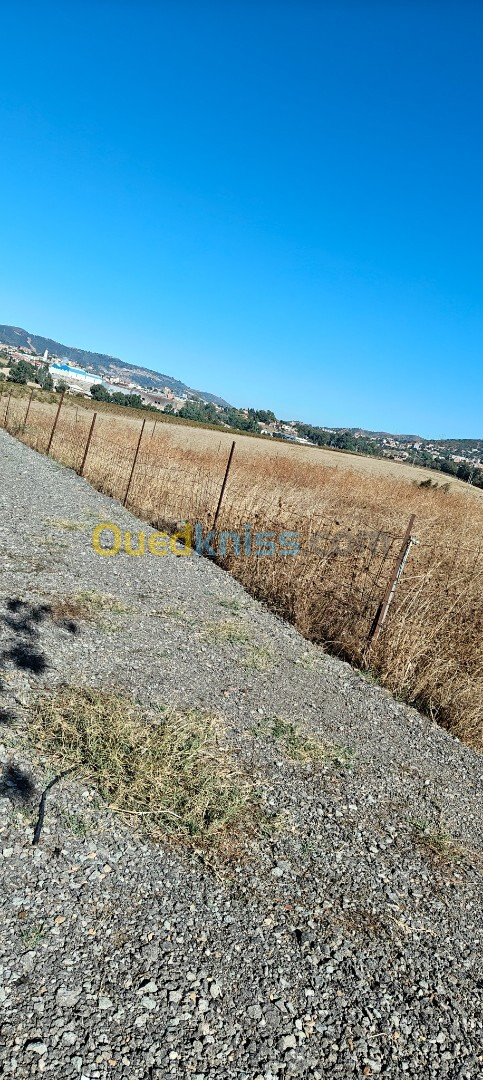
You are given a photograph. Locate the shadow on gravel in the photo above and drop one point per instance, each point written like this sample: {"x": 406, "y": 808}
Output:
{"x": 7, "y": 716}
{"x": 21, "y": 621}
{"x": 16, "y": 784}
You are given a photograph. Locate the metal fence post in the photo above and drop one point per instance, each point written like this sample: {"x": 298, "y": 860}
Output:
{"x": 134, "y": 462}
{"x": 52, "y": 433}
{"x": 223, "y": 486}
{"x": 387, "y": 599}
{"x": 28, "y": 410}
{"x": 6, "y": 410}
{"x": 88, "y": 443}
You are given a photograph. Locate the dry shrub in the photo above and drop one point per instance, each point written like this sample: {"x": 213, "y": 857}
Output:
{"x": 169, "y": 771}
{"x": 87, "y": 605}
{"x": 431, "y": 649}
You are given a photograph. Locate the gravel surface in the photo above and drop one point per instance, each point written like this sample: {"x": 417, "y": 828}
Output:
{"x": 340, "y": 945}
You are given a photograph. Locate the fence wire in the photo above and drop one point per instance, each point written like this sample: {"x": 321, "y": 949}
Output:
{"x": 342, "y": 567}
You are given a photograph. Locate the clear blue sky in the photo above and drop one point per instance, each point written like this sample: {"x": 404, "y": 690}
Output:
{"x": 280, "y": 202}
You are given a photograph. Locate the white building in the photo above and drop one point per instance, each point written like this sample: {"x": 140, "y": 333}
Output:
{"x": 71, "y": 374}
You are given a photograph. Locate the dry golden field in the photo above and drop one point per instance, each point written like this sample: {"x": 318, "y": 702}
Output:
{"x": 350, "y": 514}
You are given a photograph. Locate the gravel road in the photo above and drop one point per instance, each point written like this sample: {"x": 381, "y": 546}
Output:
{"x": 343, "y": 946}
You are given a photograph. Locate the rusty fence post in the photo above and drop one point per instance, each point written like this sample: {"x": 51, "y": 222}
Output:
{"x": 134, "y": 462}
{"x": 6, "y": 411}
{"x": 24, "y": 425}
{"x": 387, "y": 599}
{"x": 88, "y": 443}
{"x": 223, "y": 486}
{"x": 52, "y": 433}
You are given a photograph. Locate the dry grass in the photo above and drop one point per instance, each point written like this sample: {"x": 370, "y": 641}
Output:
{"x": 168, "y": 772}
{"x": 226, "y": 632}
{"x": 300, "y": 746}
{"x": 258, "y": 658}
{"x": 440, "y": 845}
{"x": 89, "y": 606}
{"x": 430, "y": 652}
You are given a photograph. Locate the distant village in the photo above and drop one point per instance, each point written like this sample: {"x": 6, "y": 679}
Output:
{"x": 79, "y": 380}
{"x": 458, "y": 457}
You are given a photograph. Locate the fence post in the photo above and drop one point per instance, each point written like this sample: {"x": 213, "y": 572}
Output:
{"x": 6, "y": 411}
{"x": 24, "y": 425}
{"x": 387, "y": 599}
{"x": 52, "y": 433}
{"x": 223, "y": 486}
{"x": 88, "y": 443}
{"x": 134, "y": 462}
{"x": 154, "y": 428}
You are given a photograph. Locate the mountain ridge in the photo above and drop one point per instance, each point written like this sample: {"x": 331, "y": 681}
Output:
{"x": 102, "y": 363}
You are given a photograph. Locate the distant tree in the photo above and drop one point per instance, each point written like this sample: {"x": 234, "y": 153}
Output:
{"x": 237, "y": 419}
{"x": 43, "y": 378}
{"x": 449, "y": 467}
{"x": 265, "y": 416}
{"x": 99, "y": 393}
{"x": 61, "y": 387}
{"x": 464, "y": 471}
{"x": 169, "y": 409}
{"x": 22, "y": 372}
{"x": 133, "y": 401}
{"x": 345, "y": 441}
{"x": 47, "y": 382}
{"x": 199, "y": 410}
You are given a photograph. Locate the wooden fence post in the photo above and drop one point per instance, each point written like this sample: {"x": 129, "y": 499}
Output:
{"x": 88, "y": 443}
{"x": 223, "y": 486}
{"x": 387, "y": 599}
{"x": 52, "y": 433}
{"x": 134, "y": 462}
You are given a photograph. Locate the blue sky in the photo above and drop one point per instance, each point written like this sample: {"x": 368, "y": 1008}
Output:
{"x": 278, "y": 202}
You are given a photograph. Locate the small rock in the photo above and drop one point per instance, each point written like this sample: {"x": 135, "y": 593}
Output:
{"x": 37, "y": 1046}
{"x": 66, "y": 999}
{"x": 69, "y": 1037}
{"x": 288, "y": 1042}
{"x": 147, "y": 1003}
{"x": 255, "y": 1012}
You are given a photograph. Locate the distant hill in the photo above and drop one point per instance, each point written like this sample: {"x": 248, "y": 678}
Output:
{"x": 382, "y": 435}
{"x": 101, "y": 363}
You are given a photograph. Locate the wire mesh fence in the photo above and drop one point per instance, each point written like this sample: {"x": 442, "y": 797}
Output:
{"x": 318, "y": 544}
{"x": 341, "y": 565}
